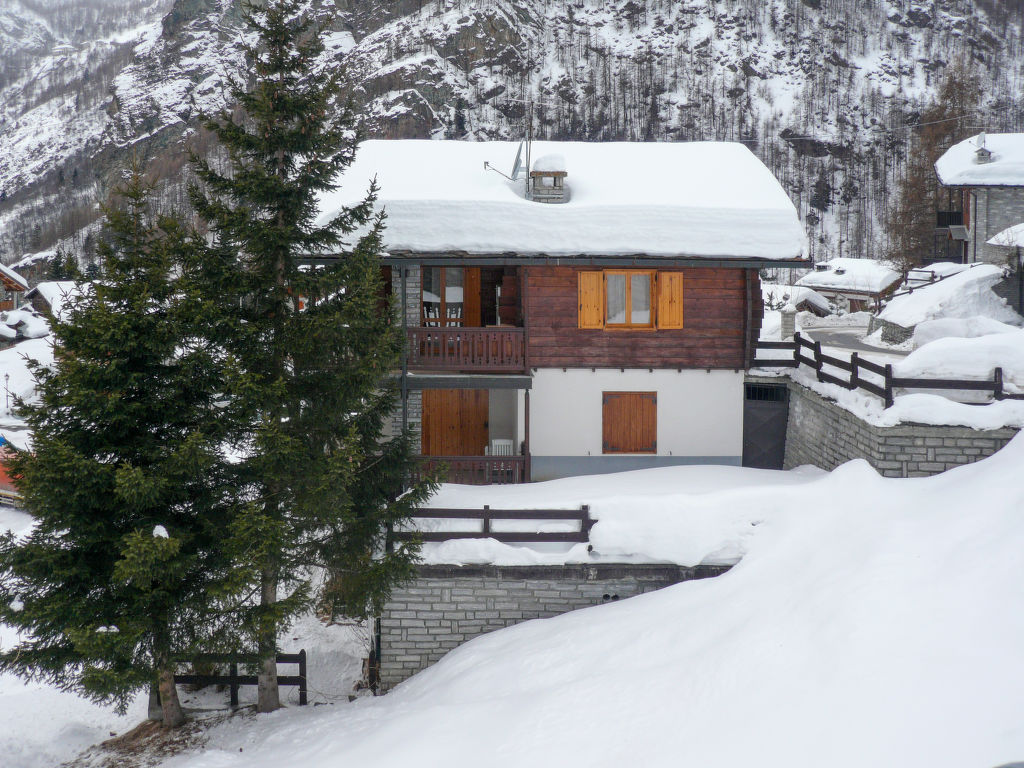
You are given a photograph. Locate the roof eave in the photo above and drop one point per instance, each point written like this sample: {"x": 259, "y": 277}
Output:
{"x": 444, "y": 258}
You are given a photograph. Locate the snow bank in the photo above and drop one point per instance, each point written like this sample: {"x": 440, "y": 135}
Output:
{"x": 1011, "y": 237}
{"x": 871, "y": 622}
{"x": 14, "y": 363}
{"x": 965, "y": 328}
{"x": 966, "y": 294}
{"x": 969, "y": 358}
{"x": 959, "y": 165}
{"x": 863, "y": 275}
{"x": 658, "y": 199}
{"x": 24, "y": 321}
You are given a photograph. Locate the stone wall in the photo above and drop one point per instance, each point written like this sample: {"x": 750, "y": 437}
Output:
{"x": 411, "y": 306}
{"x": 448, "y": 605}
{"x": 821, "y": 433}
{"x": 997, "y": 209}
{"x": 891, "y": 332}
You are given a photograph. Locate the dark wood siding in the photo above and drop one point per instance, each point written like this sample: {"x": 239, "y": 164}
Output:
{"x": 722, "y": 318}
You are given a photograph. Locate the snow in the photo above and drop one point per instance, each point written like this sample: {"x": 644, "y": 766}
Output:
{"x": 1011, "y": 237}
{"x": 966, "y": 294}
{"x": 552, "y": 162}
{"x": 969, "y": 358}
{"x": 159, "y": 532}
{"x": 657, "y": 199}
{"x": 12, "y": 275}
{"x": 844, "y": 274}
{"x": 30, "y": 324}
{"x": 871, "y": 622}
{"x": 13, "y": 363}
{"x": 794, "y": 295}
{"x": 57, "y": 294}
{"x": 965, "y": 328}
{"x": 958, "y": 166}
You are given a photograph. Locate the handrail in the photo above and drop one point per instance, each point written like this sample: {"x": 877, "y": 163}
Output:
{"x": 501, "y": 348}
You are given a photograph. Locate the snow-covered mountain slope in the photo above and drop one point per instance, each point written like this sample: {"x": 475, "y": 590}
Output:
{"x": 824, "y": 91}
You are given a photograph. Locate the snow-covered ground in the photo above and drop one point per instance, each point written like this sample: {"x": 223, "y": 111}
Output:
{"x": 965, "y": 294}
{"x": 872, "y": 622}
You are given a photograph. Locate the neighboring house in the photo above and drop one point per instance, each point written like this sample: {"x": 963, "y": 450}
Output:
{"x": 12, "y": 285}
{"x": 49, "y": 298}
{"x": 856, "y": 284}
{"x": 984, "y": 176}
{"x": 603, "y": 325}
{"x": 801, "y": 299}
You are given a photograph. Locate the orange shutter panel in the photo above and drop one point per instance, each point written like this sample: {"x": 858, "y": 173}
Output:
{"x": 629, "y": 422}
{"x": 591, "y": 292}
{"x": 670, "y": 299}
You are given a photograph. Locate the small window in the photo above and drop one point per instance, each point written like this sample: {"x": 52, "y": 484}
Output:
{"x": 628, "y": 299}
{"x": 629, "y": 422}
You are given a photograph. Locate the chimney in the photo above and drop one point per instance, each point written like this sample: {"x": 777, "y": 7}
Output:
{"x": 547, "y": 180}
{"x": 982, "y": 154}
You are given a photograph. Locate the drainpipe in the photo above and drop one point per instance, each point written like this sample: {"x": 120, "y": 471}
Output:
{"x": 405, "y": 351}
{"x": 974, "y": 221}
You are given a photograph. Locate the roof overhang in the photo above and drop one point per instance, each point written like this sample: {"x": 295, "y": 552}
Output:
{"x": 467, "y": 381}
{"x": 456, "y": 258}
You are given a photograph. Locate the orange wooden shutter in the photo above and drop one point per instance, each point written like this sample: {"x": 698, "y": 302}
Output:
{"x": 670, "y": 299}
{"x": 629, "y": 422}
{"x": 591, "y": 290}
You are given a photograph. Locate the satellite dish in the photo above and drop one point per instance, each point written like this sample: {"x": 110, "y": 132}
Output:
{"x": 518, "y": 164}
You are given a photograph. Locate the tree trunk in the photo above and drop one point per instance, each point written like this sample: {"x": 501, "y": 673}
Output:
{"x": 269, "y": 698}
{"x": 169, "y": 702}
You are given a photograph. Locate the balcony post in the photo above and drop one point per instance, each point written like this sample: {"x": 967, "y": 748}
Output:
{"x": 405, "y": 349}
{"x": 526, "y": 437}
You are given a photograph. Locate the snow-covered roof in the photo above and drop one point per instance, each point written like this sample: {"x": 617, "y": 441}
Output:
{"x": 696, "y": 199}
{"x": 1010, "y": 237}
{"x": 793, "y": 294}
{"x": 853, "y": 275}
{"x": 13, "y": 277}
{"x": 966, "y": 294}
{"x": 55, "y": 293}
{"x": 959, "y": 165}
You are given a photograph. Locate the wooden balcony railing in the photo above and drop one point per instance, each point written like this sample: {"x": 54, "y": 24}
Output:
{"x": 467, "y": 349}
{"x": 479, "y": 470}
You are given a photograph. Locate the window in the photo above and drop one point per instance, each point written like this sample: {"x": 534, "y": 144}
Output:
{"x": 629, "y": 422}
{"x": 442, "y": 296}
{"x": 630, "y": 299}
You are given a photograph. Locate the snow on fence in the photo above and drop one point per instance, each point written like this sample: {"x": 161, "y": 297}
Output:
{"x": 856, "y": 365}
{"x": 488, "y": 516}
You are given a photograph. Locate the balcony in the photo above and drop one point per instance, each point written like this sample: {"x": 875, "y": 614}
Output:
{"x": 467, "y": 350}
{"x": 478, "y": 470}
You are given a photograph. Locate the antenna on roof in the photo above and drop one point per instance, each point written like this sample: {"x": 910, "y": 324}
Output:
{"x": 516, "y": 166}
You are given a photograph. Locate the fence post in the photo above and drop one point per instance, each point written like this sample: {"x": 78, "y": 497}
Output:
{"x": 487, "y": 519}
{"x": 888, "y": 385}
{"x": 796, "y": 349}
{"x": 854, "y": 370}
{"x": 818, "y": 365}
{"x": 586, "y": 523}
{"x": 234, "y": 684}
{"x": 997, "y": 383}
{"x": 303, "y": 699}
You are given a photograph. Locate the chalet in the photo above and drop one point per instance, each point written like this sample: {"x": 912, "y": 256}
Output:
{"x": 984, "y": 179}
{"x": 12, "y": 285}
{"x": 856, "y": 284}
{"x": 594, "y": 313}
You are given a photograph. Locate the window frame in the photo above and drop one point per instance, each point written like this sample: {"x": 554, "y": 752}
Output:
{"x": 442, "y": 321}
{"x": 652, "y": 278}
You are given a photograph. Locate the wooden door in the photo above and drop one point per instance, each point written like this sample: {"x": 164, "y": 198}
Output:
{"x": 455, "y": 422}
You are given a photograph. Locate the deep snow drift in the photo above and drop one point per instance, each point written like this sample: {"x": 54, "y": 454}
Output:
{"x": 872, "y": 622}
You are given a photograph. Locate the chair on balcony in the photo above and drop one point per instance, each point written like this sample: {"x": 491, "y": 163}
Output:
{"x": 501, "y": 472}
{"x": 501, "y": 447}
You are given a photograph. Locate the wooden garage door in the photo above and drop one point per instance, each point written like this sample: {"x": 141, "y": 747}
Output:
{"x": 630, "y": 422}
{"x": 454, "y": 422}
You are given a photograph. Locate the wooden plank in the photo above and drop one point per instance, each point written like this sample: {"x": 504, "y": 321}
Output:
{"x": 471, "y": 297}
{"x": 670, "y": 300}
{"x": 500, "y": 514}
{"x": 590, "y": 295}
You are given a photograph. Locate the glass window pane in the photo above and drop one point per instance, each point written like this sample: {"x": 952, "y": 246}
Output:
{"x": 640, "y": 298}
{"x": 453, "y": 277}
{"x": 431, "y": 295}
{"x": 615, "y": 304}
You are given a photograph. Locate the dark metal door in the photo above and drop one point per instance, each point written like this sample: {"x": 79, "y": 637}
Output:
{"x": 765, "y": 413}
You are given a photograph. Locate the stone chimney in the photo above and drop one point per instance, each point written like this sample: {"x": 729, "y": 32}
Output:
{"x": 547, "y": 180}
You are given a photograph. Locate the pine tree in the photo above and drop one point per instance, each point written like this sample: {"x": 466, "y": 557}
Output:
{"x": 311, "y": 348}
{"x": 122, "y": 568}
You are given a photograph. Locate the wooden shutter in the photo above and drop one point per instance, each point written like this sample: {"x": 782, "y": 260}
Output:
{"x": 630, "y": 422}
{"x": 591, "y": 291}
{"x": 670, "y": 299}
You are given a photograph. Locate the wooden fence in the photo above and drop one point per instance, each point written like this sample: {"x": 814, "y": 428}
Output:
{"x": 487, "y": 516}
{"x": 856, "y": 365}
{"x": 234, "y": 680}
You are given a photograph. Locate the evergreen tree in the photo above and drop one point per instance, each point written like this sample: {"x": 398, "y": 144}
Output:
{"x": 122, "y": 568}
{"x": 311, "y": 349}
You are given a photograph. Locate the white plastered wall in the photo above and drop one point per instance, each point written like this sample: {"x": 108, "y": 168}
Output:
{"x": 700, "y": 413}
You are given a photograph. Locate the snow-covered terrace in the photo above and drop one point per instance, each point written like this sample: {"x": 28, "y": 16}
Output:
{"x": 959, "y": 166}
{"x": 698, "y": 200}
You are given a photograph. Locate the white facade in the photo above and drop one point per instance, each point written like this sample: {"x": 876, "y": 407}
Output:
{"x": 699, "y": 419}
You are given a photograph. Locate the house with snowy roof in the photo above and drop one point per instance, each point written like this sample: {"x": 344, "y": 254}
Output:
{"x": 984, "y": 177}
{"x": 12, "y": 285}
{"x": 857, "y": 284}
{"x": 593, "y": 313}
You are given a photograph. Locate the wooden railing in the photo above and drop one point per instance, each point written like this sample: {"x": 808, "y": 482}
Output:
{"x": 467, "y": 349}
{"x": 233, "y": 680}
{"x": 487, "y": 516}
{"x": 479, "y": 470}
{"x": 817, "y": 360}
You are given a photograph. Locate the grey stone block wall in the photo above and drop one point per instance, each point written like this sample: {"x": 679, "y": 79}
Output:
{"x": 821, "y": 433}
{"x": 412, "y": 315}
{"x": 448, "y": 605}
{"x": 998, "y": 208}
{"x": 891, "y": 332}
